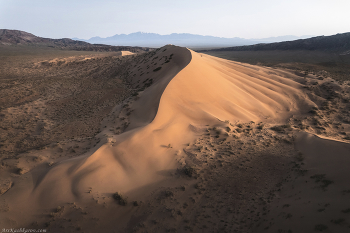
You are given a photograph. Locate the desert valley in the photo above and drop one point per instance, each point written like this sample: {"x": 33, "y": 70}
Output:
{"x": 99, "y": 138}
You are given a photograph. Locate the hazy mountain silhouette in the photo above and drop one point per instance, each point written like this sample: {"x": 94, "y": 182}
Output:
{"x": 180, "y": 39}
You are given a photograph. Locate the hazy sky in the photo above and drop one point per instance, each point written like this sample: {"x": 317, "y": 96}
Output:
{"x": 224, "y": 18}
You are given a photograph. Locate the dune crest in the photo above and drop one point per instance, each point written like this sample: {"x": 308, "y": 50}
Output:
{"x": 197, "y": 90}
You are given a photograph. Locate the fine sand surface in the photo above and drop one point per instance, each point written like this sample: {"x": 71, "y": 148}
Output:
{"x": 199, "y": 119}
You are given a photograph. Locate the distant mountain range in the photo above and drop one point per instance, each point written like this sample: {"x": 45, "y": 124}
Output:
{"x": 16, "y": 37}
{"x": 339, "y": 43}
{"x": 181, "y": 39}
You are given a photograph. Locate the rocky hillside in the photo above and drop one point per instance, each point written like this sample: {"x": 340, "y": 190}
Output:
{"x": 16, "y": 37}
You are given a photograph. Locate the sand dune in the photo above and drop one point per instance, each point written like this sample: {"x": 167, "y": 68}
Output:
{"x": 206, "y": 90}
{"x": 126, "y": 53}
{"x": 194, "y": 91}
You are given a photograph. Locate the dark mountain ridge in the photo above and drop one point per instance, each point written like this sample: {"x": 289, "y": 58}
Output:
{"x": 334, "y": 43}
{"x": 18, "y": 38}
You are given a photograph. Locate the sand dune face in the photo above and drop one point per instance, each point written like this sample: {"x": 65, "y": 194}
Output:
{"x": 215, "y": 88}
{"x": 194, "y": 91}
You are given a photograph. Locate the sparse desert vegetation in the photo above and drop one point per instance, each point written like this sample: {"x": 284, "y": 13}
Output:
{"x": 120, "y": 199}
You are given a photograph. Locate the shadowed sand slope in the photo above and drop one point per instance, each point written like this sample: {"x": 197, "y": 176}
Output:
{"x": 318, "y": 199}
{"x": 194, "y": 91}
